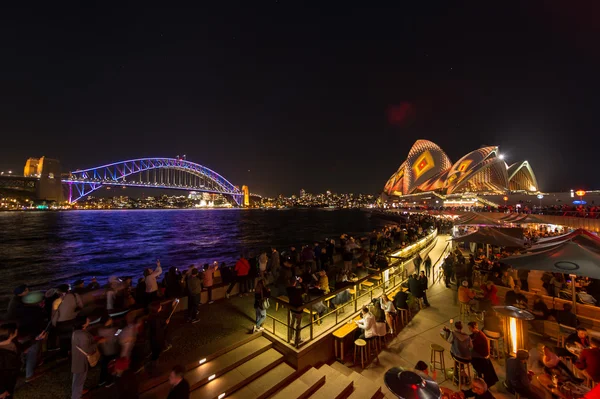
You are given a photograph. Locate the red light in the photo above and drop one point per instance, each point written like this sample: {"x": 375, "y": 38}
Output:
{"x": 414, "y": 386}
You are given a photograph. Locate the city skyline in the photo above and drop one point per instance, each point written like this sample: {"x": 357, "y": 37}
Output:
{"x": 280, "y": 96}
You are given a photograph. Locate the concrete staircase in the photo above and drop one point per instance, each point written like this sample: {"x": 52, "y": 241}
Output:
{"x": 255, "y": 369}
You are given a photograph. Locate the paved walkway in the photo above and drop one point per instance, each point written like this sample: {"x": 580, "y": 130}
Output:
{"x": 413, "y": 342}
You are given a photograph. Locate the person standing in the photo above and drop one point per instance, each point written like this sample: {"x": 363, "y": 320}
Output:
{"x": 208, "y": 279}
{"x": 262, "y": 264}
{"x": 150, "y": 277}
{"x": 275, "y": 263}
{"x": 109, "y": 348}
{"x": 424, "y": 284}
{"x": 16, "y": 302}
{"x": 295, "y": 292}
{"x": 10, "y": 360}
{"x": 480, "y": 353}
{"x": 242, "y": 268}
{"x": 82, "y": 344}
{"x": 64, "y": 318}
{"x": 194, "y": 288}
{"x": 261, "y": 296}
{"x": 427, "y": 265}
{"x": 180, "y": 388}
{"x": 389, "y": 309}
{"x": 157, "y": 328}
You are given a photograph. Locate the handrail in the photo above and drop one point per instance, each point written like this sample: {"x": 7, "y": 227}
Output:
{"x": 426, "y": 241}
{"x": 392, "y": 282}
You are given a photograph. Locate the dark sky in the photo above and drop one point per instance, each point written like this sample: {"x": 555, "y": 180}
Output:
{"x": 300, "y": 94}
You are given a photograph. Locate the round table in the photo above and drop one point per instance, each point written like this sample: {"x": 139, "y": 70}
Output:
{"x": 546, "y": 381}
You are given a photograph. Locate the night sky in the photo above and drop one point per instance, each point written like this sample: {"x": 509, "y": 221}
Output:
{"x": 283, "y": 96}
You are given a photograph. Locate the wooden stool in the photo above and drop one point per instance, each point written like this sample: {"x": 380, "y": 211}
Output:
{"x": 360, "y": 343}
{"x": 459, "y": 368}
{"x": 435, "y": 363}
{"x": 494, "y": 350}
{"x": 404, "y": 316}
{"x": 372, "y": 343}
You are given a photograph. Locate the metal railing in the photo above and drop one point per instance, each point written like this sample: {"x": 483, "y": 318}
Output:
{"x": 390, "y": 278}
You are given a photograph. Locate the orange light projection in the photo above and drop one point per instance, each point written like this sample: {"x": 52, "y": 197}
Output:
{"x": 423, "y": 164}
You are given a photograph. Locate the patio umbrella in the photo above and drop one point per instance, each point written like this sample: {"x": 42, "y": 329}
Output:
{"x": 411, "y": 384}
{"x": 492, "y": 236}
{"x": 578, "y": 254}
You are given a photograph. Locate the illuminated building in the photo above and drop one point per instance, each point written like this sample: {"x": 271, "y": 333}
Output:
{"x": 427, "y": 168}
{"x": 48, "y": 171}
{"x": 246, "y": 193}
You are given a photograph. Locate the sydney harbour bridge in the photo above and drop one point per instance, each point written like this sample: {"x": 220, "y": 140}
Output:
{"x": 41, "y": 175}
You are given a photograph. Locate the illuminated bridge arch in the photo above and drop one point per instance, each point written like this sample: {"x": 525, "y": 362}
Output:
{"x": 170, "y": 173}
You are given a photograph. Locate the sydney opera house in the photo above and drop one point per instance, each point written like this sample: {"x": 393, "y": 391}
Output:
{"x": 427, "y": 168}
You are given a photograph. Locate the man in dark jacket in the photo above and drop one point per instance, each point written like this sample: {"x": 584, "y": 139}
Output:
{"x": 194, "y": 289}
{"x": 427, "y": 264}
{"x": 10, "y": 360}
{"x": 423, "y": 281}
{"x": 414, "y": 286}
{"x": 400, "y": 300}
{"x": 517, "y": 378}
{"x": 295, "y": 297}
{"x": 180, "y": 388}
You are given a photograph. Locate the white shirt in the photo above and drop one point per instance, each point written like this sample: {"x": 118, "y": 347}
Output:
{"x": 151, "y": 284}
{"x": 367, "y": 323}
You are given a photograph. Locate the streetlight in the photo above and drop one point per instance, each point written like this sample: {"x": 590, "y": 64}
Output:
{"x": 505, "y": 198}
{"x": 540, "y": 196}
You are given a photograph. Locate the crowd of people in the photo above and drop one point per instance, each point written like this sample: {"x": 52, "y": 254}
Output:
{"x": 124, "y": 328}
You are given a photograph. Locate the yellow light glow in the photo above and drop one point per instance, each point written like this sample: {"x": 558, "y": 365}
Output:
{"x": 212, "y": 377}
{"x": 513, "y": 335}
{"x": 532, "y": 188}
{"x": 202, "y": 361}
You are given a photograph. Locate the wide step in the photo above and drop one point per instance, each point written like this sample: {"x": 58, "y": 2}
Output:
{"x": 266, "y": 384}
{"x": 217, "y": 366}
{"x": 336, "y": 385}
{"x": 303, "y": 386}
{"x": 239, "y": 376}
{"x": 363, "y": 387}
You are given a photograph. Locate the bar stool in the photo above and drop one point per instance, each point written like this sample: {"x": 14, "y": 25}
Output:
{"x": 404, "y": 316}
{"x": 461, "y": 366}
{"x": 494, "y": 350}
{"x": 360, "y": 345}
{"x": 372, "y": 343}
{"x": 437, "y": 364}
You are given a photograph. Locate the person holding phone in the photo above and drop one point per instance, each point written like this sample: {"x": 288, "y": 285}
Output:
{"x": 150, "y": 277}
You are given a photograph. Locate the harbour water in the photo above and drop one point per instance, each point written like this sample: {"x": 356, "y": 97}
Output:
{"x": 43, "y": 249}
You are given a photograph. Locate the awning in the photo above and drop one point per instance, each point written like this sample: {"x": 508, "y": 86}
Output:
{"x": 579, "y": 254}
{"x": 494, "y": 236}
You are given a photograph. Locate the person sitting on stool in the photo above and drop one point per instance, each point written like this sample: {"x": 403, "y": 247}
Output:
{"x": 366, "y": 325}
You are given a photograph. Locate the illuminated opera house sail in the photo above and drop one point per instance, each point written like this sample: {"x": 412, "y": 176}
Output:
{"x": 427, "y": 168}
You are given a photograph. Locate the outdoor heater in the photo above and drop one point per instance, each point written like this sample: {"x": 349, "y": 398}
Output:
{"x": 515, "y": 334}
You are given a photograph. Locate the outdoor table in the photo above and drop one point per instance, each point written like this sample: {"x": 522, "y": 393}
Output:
{"x": 341, "y": 333}
{"x": 546, "y": 381}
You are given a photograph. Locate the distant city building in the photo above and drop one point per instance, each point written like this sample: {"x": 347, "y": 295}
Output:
{"x": 302, "y": 192}
{"x": 427, "y": 168}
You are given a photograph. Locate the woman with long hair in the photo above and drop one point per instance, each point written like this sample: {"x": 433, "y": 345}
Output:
{"x": 389, "y": 309}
